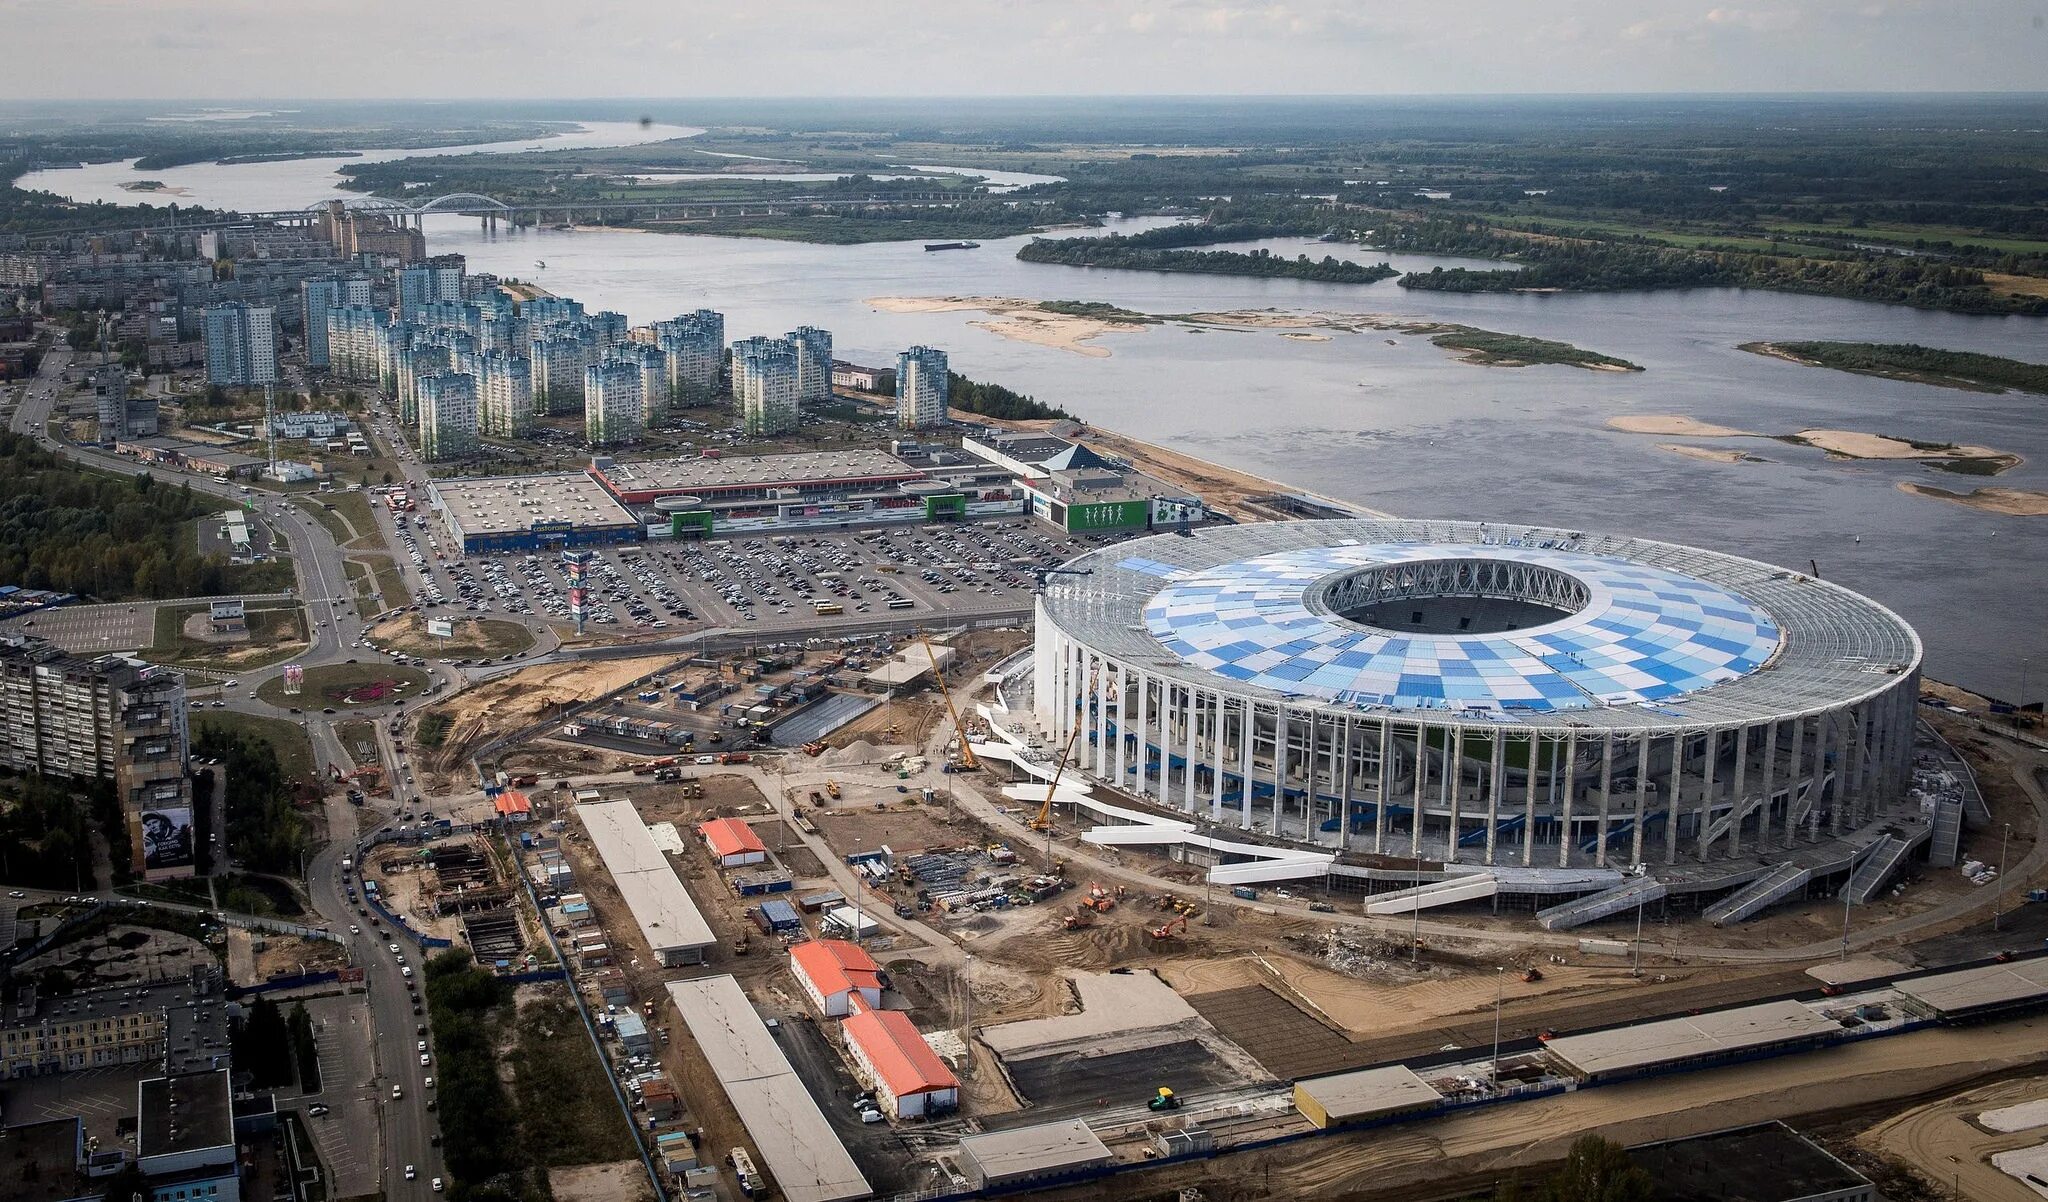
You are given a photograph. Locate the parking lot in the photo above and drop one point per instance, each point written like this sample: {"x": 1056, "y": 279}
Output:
{"x": 782, "y": 581}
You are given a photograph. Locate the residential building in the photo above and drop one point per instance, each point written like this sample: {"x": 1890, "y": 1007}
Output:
{"x": 114, "y": 719}
{"x": 241, "y": 345}
{"x": 418, "y": 358}
{"x": 813, "y": 364}
{"x": 654, "y": 374}
{"x": 505, "y": 408}
{"x": 425, "y": 283}
{"x": 315, "y": 424}
{"x": 923, "y": 383}
{"x": 614, "y": 410}
{"x": 351, "y": 340}
{"x": 357, "y": 234}
{"x": 610, "y": 329}
{"x": 177, "y": 1024}
{"x": 121, "y": 416}
{"x": 320, "y": 297}
{"x": 764, "y": 384}
{"x": 544, "y": 311}
{"x": 448, "y": 415}
{"x": 560, "y": 356}
{"x": 695, "y": 343}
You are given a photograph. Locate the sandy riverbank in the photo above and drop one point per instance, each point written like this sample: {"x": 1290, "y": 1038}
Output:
{"x": 1842, "y": 444}
{"x": 2013, "y": 502}
{"x": 1851, "y": 444}
{"x": 1019, "y": 320}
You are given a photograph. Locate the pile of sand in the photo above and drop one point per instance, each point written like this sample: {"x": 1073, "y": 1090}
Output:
{"x": 855, "y": 754}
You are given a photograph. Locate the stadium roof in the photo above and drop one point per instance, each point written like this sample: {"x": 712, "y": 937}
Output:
{"x": 1660, "y": 635}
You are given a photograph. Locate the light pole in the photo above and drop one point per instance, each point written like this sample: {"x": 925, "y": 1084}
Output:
{"x": 1845, "y": 910}
{"x": 967, "y": 1033}
{"x": 1636, "y": 948}
{"x": 1500, "y": 985}
{"x": 1998, "y": 890}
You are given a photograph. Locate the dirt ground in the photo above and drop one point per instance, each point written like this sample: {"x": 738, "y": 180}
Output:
{"x": 282, "y": 955}
{"x": 619, "y": 1181}
{"x": 526, "y": 696}
{"x": 401, "y": 877}
{"x": 1943, "y": 1141}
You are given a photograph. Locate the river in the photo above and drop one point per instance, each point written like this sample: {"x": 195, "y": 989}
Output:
{"x": 1385, "y": 419}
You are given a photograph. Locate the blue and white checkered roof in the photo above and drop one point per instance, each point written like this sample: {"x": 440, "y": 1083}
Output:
{"x": 1646, "y": 634}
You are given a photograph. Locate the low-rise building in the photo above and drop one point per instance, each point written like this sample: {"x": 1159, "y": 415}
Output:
{"x": 185, "y": 1137}
{"x": 732, "y": 843}
{"x": 833, "y": 972}
{"x": 890, "y": 1056}
{"x": 1037, "y": 1155}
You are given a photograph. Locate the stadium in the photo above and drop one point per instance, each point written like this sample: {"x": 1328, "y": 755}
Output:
{"x": 1565, "y": 711}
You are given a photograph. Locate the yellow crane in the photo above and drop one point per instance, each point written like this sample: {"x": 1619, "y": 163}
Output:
{"x": 1044, "y": 820}
{"x": 967, "y": 760}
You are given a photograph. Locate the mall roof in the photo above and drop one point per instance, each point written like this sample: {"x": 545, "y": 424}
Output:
{"x": 516, "y": 504}
{"x": 755, "y": 471}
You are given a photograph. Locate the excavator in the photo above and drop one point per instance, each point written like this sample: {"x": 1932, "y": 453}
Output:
{"x": 1043, "y": 822}
{"x": 1170, "y": 929}
{"x": 967, "y": 760}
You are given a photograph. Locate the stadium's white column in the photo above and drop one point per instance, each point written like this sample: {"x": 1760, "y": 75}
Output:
{"x": 1822, "y": 724}
{"x": 1606, "y": 784}
{"x": 1764, "y": 787}
{"x": 1642, "y": 796}
{"x": 1343, "y": 766}
{"x": 1144, "y": 734}
{"x": 1421, "y": 778}
{"x": 1193, "y": 711}
{"x": 1123, "y": 722}
{"x": 1498, "y": 781}
{"x": 1676, "y": 806}
{"x": 1246, "y": 722}
{"x": 1571, "y": 781}
{"x": 1737, "y": 800}
{"x": 1529, "y": 815}
{"x": 1707, "y": 793}
{"x": 1216, "y": 761}
{"x": 1454, "y": 784}
{"x": 1379, "y": 837}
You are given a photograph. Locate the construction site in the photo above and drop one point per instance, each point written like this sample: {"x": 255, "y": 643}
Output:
{"x": 1059, "y": 975}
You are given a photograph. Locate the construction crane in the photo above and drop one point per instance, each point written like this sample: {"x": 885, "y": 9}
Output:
{"x": 1044, "y": 820}
{"x": 967, "y": 759}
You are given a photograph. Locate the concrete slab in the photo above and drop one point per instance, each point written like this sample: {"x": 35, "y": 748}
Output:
{"x": 2023, "y": 1117}
{"x": 1111, "y": 1004}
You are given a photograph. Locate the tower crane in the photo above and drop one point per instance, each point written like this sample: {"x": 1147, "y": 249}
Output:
{"x": 967, "y": 759}
{"x": 1044, "y": 820}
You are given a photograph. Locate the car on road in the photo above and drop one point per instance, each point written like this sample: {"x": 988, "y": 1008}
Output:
{"x": 423, "y": 1059}
{"x": 423, "y": 1045}
{"x": 16, "y": 893}
{"x": 318, "y": 1109}
{"x": 397, "y": 1092}
{"x": 437, "y": 1185}
{"x": 394, "y": 949}
{"x": 353, "y": 929}
{"x": 411, "y": 1173}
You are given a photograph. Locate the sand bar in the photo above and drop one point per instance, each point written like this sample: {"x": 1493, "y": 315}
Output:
{"x": 2013, "y": 502}
{"x": 1018, "y": 320}
{"x": 1708, "y": 454}
{"x": 1852, "y": 444}
{"x": 1674, "y": 425}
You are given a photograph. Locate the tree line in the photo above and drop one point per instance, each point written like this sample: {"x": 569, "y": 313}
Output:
{"x": 265, "y": 828}
{"x": 994, "y": 400}
{"x": 1119, "y": 251}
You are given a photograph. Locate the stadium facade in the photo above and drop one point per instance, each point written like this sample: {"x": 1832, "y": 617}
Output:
{"x": 1482, "y": 694}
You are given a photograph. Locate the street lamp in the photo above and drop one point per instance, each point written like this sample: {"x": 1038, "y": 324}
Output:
{"x": 1500, "y": 985}
{"x": 1998, "y": 890}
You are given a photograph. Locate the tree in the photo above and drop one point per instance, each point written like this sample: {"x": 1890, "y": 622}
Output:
{"x": 265, "y": 1045}
{"x": 305, "y": 1049}
{"x": 1598, "y": 1170}
{"x": 127, "y": 1184}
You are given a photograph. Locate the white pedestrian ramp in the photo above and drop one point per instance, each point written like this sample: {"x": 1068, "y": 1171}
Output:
{"x": 1475, "y": 887}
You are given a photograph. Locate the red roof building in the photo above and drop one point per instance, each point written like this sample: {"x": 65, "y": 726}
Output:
{"x": 733, "y": 843}
{"x": 514, "y": 806}
{"x": 909, "y": 1079}
{"x": 833, "y": 972}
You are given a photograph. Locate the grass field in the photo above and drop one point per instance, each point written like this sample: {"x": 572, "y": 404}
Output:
{"x": 358, "y": 737}
{"x": 287, "y": 740}
{"x": 276, "y": 633}
{"x": 330, "y": 686}
{"x": 567, "y": 1113}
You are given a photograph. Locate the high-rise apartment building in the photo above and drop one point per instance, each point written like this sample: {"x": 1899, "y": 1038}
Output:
{"x": 695, "y": 343}
{"x": 923, "y": 383}
{"x": 614, "y": 410}
{"x": 241, "y": 345}
{"x": 654, "y": 374}
{"x": 418, "y": 358}
{"x": 108, "y": 719}
{"x": 448, "y": 415}
{"x": 121, "y": 416}
{"x": 320, "y": 297}
{"x": 435, "y": 280}
{"x": 813, "y": 364}
{"x": 609, "y": 330}
{"x": 764, "y": 384}
{"x": 505, "y": 408}
{"x": 560, "y": 359}
{"x": 351, "y": 340}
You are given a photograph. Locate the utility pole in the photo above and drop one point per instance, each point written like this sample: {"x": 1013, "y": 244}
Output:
{"x": 1500, "y": 985}
{"x": 1998, "y": 894}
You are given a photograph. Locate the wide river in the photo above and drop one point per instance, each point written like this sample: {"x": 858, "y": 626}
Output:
{"x": 1385, "y": 419}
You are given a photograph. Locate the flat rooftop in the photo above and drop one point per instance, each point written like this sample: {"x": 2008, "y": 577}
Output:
{"x": 1046, "y": 1148}
{"x": 516, "y": 504}
{"x": 1769, "y": 1162}
{"x": 1722, "y": 1033}
{"x": 42, "y": 1159}
{"x": 1369, "y": 1092}
{"x": 184, "y": 1114}
{"x": 1976, "y": 988}
{"x": 799, "y": 1148}
{"x": 1112, "y": 1004}
{"x": 756, "y": 471}
{"x": 1027, "y": 448}
{"x": 667, "y": 916}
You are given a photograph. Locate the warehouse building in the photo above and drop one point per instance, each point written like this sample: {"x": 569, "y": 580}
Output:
{"x": 1038, "y": 1155}
{"x": 888, "y": 1054}
{"x": 834, "y": 972}
{"x": 732, "y": 843}
{"x": 668, "y": 919}
{"x": 185, "y": 1136}
{"x": 796, "y": 1142}
{"x": 1071, "y": 487}
{"x": 1983, "y": 991}
{"x": 1693, "y": 1041}
{"x": 526, "y": 513}
{"x": 1368, "y": 1095}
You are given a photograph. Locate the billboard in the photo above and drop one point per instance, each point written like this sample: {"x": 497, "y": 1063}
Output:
{"x": 166, "y": 839}
{"x": 441, "y": 628}
{"x": 294, "y": 679}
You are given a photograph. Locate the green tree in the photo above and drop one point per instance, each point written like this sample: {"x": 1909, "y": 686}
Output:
{"x": 264, "y": 1047}
{"x": 305, "y": 1049}
{"x": 1598, "y": 1170}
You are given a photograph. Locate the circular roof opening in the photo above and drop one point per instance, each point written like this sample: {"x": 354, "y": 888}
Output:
{"x": 1453, "y": 596}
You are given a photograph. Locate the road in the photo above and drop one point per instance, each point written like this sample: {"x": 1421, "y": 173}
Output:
{"x": 332, "y": 625}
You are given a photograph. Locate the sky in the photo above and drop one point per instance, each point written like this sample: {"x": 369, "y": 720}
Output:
{"x": 372, "y": 49}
